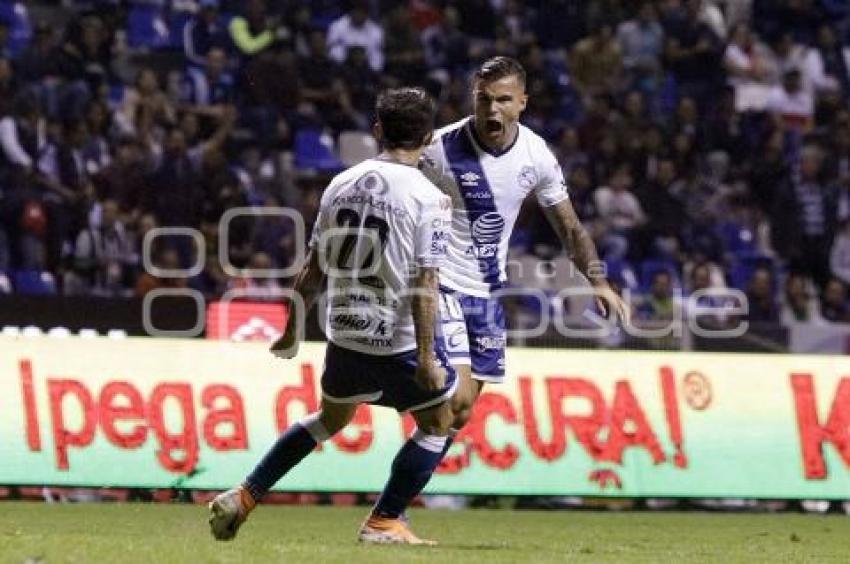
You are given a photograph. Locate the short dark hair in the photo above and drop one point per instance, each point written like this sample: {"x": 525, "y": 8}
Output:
{"x": 496, "y": 68}
{"x": 406, "y": 116}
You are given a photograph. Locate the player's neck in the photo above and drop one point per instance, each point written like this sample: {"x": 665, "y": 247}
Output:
{"x": 401, "y": 156}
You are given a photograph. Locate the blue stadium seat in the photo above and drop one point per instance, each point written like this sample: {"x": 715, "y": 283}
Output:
{"x": 16, "y": 16}
{"x": 737, "y": 239}
{"x": 147, "y": 27}
{"x": 621, "y": 273}
{"x": 312, "y": 152}
{"x": 34, "y": 282}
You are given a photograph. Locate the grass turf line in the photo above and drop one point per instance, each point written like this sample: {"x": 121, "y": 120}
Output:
{"x": 178, "y": 533}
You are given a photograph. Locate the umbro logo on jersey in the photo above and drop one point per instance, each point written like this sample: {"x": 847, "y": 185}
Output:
{"x": 469, "y": 179}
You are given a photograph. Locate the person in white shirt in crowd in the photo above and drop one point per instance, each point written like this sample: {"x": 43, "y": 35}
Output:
{"x": 356, "y": 29}
{"x": 620, "y": 211}
{"x": 750, "y": 69}
{"x": 828, "y": 63}
{"x": 792, "y": 104}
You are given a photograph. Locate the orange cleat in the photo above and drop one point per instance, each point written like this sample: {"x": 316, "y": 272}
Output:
{"x": 386, "y": 530}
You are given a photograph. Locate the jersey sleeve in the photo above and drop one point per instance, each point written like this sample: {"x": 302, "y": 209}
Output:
{"x": 551, "y": 187}
{"x": 432, "y": 232}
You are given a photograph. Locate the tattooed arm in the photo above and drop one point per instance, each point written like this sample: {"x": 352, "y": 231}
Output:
{"x": 582, "y": 251}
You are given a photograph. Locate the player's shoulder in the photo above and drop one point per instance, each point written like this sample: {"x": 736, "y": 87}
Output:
{"x": 536, "y": 147}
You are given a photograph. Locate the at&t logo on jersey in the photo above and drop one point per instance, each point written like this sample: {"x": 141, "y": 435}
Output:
{"x": 487, "y": 228}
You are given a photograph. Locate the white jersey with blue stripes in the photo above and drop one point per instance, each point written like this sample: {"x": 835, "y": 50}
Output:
{"x": 379, "y": 222}
{"x": 487, "y": 190}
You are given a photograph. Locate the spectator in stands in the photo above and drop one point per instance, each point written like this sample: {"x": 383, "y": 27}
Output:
{"x": 274, "y": 236}
{"x": 323, "y": 88}
{"x": 257, "y": 283}
{"x": 692, "y": 52}
{"x": 834, "y": 305}
{"x": 839, "y": 256}
{"x": 770, "y": 172}
{"x": 165, "y": 259}
{"x": 174, "y": 193}
{"x": 70, "y": 214}
{"x": 791, "y": 104}
{"x": 124, "y": 179}
{"x": 596, "y": 63}
{"x": 203, "y": 32}
{"x": 803, "y": 217}
{"x": 665, "y": 214}
{"x": 446, "y": 47}
{"x": 355, "y": 29}
{"x": 208, "y": 91}
{"x": 761, "y": 304}
{"x": 659, "y": 308}
{"x": 569, "y": 152}
{"x": 798, "y": 304}
{"x": 103, "y": 259}
{"x": 34, "y": 64}
{"x": 8, "y": 86}
{"x": 828, "y": 63}
{"x": 84, "y": 61}
{"x": 404, "y": 58}
{"x": 145, "y": 105}
{"x": 749, "y": 66}
{"x": 706, "y": 278}
{"x": 362, "y": 83}
{"x": 253, "y": 32}
{"x": 641, "y": 41}
{"x": 789, "y": 55}
{"x": 620, "y": 211}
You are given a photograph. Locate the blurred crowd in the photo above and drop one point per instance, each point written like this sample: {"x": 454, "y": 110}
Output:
{"x": 706, "y": 143}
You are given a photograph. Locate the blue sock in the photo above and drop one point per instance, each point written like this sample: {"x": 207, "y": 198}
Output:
{"x": 290, "y": 448}
{"x": 412, "y": 468}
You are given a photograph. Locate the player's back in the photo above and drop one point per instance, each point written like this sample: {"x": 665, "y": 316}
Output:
{"x": 370, "y": 228}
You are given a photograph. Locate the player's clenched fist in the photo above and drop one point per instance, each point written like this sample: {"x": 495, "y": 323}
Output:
{"x": 286, "y": 346}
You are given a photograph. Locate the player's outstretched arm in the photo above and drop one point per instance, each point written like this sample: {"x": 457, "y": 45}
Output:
{"x": 308, "y": 284}
{"x": 425, "y": 290}
{"x": 582, "y": 251}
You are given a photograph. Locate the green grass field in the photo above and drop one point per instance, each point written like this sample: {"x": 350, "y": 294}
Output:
{"x": 160, "y": 533}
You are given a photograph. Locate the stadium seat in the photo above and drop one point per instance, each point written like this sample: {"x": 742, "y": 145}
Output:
{"x": 16, "y": 15}
{"x": 356, "y": 146}
{"x": 737, "y": 239}
{"x": 146, "y": 27}
{"x": 34, "y": 282}
{"x": 622, "y": 274}
{"x": 314, "y": 150}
